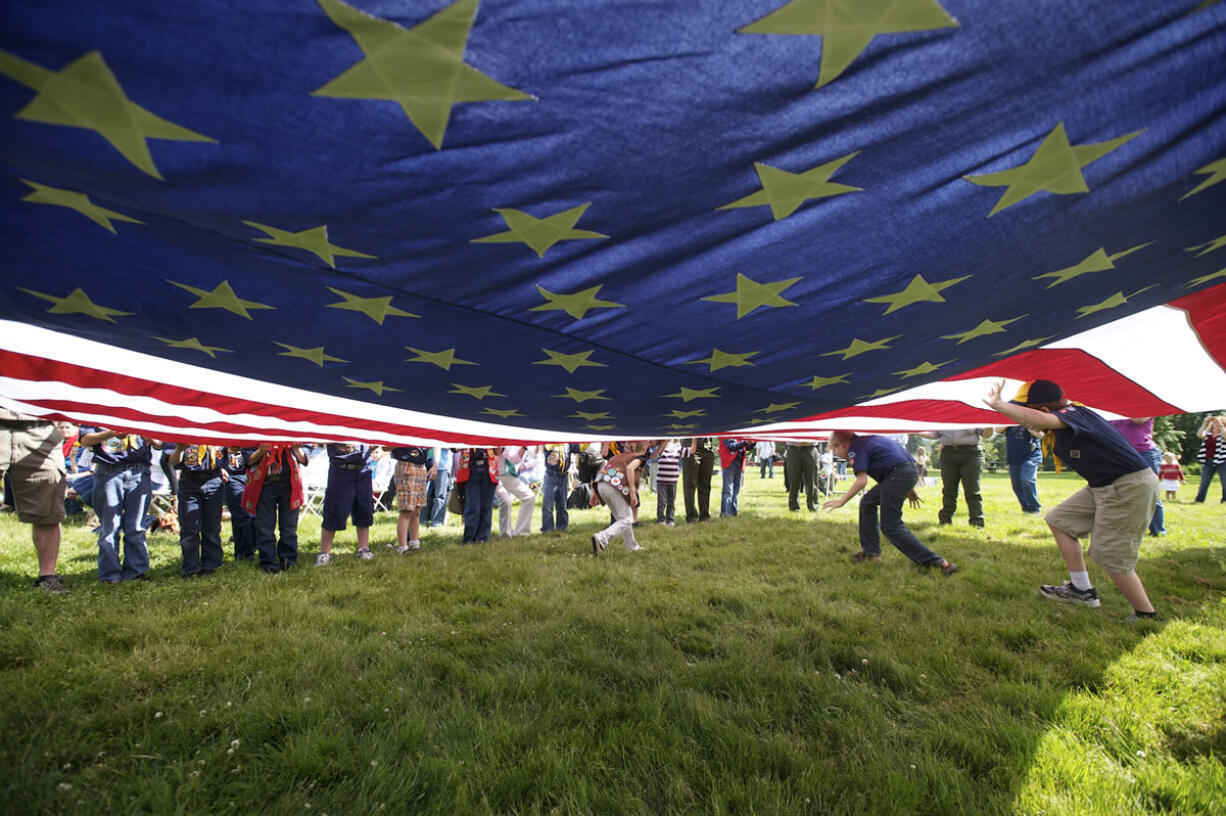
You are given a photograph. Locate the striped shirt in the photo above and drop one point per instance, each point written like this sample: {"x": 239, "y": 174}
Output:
{"x": 668, "y": 467}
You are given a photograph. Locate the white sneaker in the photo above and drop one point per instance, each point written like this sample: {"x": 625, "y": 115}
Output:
{"x": 365, "y": 554}
{"x": 323, "y": 559}
{"x": 401, "y": 550}
{"x": 414, "y": 546}
{"x": 670, "y": 524}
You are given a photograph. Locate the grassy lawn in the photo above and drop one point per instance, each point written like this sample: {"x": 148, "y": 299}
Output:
{"x": 739, "y": 666}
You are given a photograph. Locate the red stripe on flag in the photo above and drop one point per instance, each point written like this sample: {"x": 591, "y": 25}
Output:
{"x": 1207, "y": 314}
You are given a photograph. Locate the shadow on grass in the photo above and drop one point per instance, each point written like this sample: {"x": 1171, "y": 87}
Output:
{"x": 744, "y": 665}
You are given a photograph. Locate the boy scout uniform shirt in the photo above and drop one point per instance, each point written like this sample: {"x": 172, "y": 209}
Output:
{"x": 876, "y": 455}
{"x": 413, "y": 454}
{"x": 557, "y": 457}
{"x": 348, "y": 455}
{"x": 121, "y": 450}
{"x": 234, "y": 460}
{"x": 201, "y": 460}
{"x": 1096, "y": 451}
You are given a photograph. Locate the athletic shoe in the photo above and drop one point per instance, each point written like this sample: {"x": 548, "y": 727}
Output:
{"x": 862, "y": 556}
{"x": 323, "y": 559}
{"x": 948, "y": 568}
{"x": 1145, "y": 616}
{"x": 365, "y": 554}
{"x": 51, "y": 584}
{"x": 414, "y": 545}
{"x": 597, "y": 545}
{"x": 1070, "y": 594}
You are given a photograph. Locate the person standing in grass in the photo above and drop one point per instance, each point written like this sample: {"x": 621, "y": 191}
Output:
{"x": 697, "y": 468}
{"x": 33, "y": 462}
{"x": 893, "y": 469}
{"x": 274, "y": 494}
{"x": 617, "y": 484}
{"x": 1139, "y": 432}
{"x": 242, "y": 523}
{"x": 554, "y": 486}
{"x": 668, "y": 471}
{"x": 350, "y": 492}
{"x": 1024, "y": 455}
{"x": 732, "y": 464}
{"x": 201, "y": 498}
{"x": 1170, "y": 475}
{"x": 1114, "y": 508}
{"x": 476, "y": 474}
{"x": 1212, "y": 455}
{"x": 122, "y": 488}
{"x": 414, "y": 467}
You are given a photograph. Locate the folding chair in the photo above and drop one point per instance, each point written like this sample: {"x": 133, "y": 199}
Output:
{"x": 314, "y": 483}
{"x": 385, "y": 470}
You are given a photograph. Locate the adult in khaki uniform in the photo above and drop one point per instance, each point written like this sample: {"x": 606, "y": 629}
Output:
{"x": 961, "y": 461}
{"x": 697, "y": 467}
{"x": 32, "y": 456}
{"x": 800, "y": 467}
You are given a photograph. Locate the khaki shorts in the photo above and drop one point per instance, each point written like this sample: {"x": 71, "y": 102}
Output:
{"x": 1115, "y": 517}
{"x": 32, "y": 455}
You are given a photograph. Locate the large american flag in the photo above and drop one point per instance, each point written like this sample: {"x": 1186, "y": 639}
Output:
{"x": 523, "y": 220}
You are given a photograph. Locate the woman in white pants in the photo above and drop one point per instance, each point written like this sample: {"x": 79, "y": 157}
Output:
{"x": 509, "y": 484}
{"x": 617, "y": 485}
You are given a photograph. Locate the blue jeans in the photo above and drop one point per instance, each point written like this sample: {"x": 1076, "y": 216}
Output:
{"x": 478, "y": 509}
{"x": 120, "y": 496}
{"x": 767, "y": 463}
{"x": 553, "y": 494}
{"x": 1206, "y": 478}
{"x": 888, "y": 495}
{"x": 732, "y": 487}
{"x": 242, "y": 523}
{"x": 272, "y": 507}
{"x": 1157, "y": 524}
{"x": 434, "y": 512}
{"x": 201, "y": 498}
{"x": 1024, "y": 475}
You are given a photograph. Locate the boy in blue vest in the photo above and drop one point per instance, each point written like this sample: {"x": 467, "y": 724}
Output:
{"x": 350, "y": 491}
{"x": 1114, "y": 508}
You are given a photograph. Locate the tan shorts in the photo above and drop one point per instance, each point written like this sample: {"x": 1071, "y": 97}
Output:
{"x": 32, "y": 455}
{"x": 410, "y": 486}
{"x": 1115, "y": 517}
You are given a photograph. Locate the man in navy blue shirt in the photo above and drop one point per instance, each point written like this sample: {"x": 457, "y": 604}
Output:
{"x": 894, "y": 471}
{"x": 350, "y": 491}
{"x": 1114, "y": 508}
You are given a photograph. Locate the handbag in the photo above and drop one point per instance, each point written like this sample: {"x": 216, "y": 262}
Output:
{"x": 455, "y": 500}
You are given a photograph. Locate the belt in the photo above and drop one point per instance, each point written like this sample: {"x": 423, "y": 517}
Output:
{"x": 118, "y": 465}
{"x": 348, "y": 467}
{"x": 955, "y": 447}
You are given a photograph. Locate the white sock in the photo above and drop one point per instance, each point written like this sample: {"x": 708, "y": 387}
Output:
{"x": 1081, "y": 580}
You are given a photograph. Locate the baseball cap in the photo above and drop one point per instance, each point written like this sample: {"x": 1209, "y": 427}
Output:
{"x": 1038, "y": 392}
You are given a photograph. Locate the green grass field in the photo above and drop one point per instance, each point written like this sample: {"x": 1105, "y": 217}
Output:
{"x": 739, "y": 666}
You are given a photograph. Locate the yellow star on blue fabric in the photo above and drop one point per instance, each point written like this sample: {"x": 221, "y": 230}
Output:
{"x": 479, "y": 392}
{"x": 582, "y": 396}
{"x": 313, "y": 240}
{"x": 775, "y": 408}
{"x": 502, "y": 413}
{"x": 377, "y": 309}
{"x": 1210, "y": 246}
{"x": 540, "y": 233}
{"x": 444, "y": 359}
{"x": 724, "y": 359}
{"x": 194, "y": 344}
{"x": 576, "y": 304}
{"x": 688, "y": 394}
{"x": 77, "y": 302}
{"x": 1055, "y": 167}
{"x": 73, "y": 200}
{"x": 917, "y": 291}
{"x": 315, "y": 355}
{"x": 1110, "y": 302}
{"x": 821, "y": 382}
{"x": 1216, "y": 171}
{"x": 848, "y": 26}
{"x": 677, "y": 413}
{"x": 221, "y": 297}
{"x": 570, "y": 362}
{"x": 784, "y": 192}
{"x": 1097, "y": 261}
{"x": 880, "y": 392}
{"x": 750, "y": 295}
{"x": 921, "y": 369}
{"x": 85, "y": 94}
{"x": 376, "y": 386}
{"x": 1024, "y": 345}
{"x": 1221, "y": 273}
{"x": 985, "y": 327}
{"x": 421, "y": 69}
{"x": 858, "y": 347}
{"x": 590, "y": 416}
